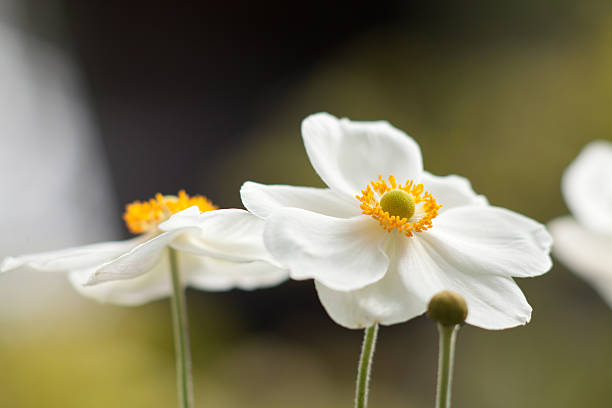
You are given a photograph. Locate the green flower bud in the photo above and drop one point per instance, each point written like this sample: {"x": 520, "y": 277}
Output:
{"x": 448, "y": 308}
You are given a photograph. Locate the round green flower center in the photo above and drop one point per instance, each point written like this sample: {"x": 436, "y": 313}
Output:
{"x": 398, "y": 203}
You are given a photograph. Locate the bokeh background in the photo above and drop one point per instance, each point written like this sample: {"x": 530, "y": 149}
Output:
{"x": 104, "y": 102}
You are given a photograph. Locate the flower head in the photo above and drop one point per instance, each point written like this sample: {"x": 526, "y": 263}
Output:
{"x": 407, "y": 208}
{"x": 386, "y": 236}
{"x": 217, "y": 250}
{"x": 583, "y": 241}
{"x": 141, "y": 217}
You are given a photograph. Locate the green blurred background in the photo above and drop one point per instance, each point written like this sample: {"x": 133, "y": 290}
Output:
{"x": 503, "y": 93}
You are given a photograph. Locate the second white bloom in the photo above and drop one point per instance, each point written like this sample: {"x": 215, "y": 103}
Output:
{"x": 217, "y": 250}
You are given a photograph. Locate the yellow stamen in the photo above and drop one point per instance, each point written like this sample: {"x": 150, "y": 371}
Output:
{"x": 408, "y": 208}
{"x": 144, "y": 216}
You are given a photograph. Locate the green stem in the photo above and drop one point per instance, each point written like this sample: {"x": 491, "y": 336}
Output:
{"x": 448, "y": 335}
{"x": 181, "y": 335}
{"x": 365, "y": 366}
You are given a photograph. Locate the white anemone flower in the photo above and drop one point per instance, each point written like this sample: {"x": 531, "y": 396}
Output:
{"x": 386, "y": 235}
{"x": 583, "y": 240}
{"x": 217, "y": 250}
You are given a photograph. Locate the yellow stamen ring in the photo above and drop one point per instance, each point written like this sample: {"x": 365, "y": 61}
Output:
{"x": 145, "y": 216}
{"x": 408, "y": 208}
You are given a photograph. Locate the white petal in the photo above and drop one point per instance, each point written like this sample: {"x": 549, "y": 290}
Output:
{"x": 494, "y": 302}
{"x": 189, "y": 217}
{"x": 138, "y": 261}
{"x": 587, "y": 188}
{"x": 69, "y": 259}
{"x": 230, "y": 234}
{"x": 483, "y": 240}
{"x": 451, "y": 191}
{"x": 344, "y": 254}
{"x": 348, "y": 155}
{"x": 150, "y": 286}
{"x": 196, "y": 271}
{"x": 262, "y": 200}
{"x": 216, "y": 274}
{"x": 587, "y": 253}
{"x": 385, "y": 302}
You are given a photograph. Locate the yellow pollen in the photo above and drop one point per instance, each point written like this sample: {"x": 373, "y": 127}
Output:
{"x": 408, "y": 208}
{"x": 145, "y": 216}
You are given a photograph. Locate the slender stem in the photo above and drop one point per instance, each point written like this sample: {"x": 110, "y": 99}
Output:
{"x": 365, "y": 366}
{"x": 181, "y": 335}
{"x": 448, "y": 335}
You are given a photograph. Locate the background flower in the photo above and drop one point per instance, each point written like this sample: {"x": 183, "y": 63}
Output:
{"x": 137, "y": 270}
{"x": 583, "y": 241}
{"x": 370, "y": 267}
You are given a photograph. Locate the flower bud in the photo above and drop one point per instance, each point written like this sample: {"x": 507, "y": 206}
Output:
{"x": 448, "y": 308}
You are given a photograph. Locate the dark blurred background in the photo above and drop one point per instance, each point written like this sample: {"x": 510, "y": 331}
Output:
{"x": 206, "y": 95}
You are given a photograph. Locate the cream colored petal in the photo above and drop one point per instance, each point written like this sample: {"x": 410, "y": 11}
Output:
{"x": 385, "y": 302}
{"x": 587, "y": 187}
{"x": 347, "y": 154}
{"x": 343, "y": 254}
{"x": 137, "y": 261}
{"x": 208, "y": 273}
{"x": 587, "y": 253}
{"x": 451, "y": 191}
{"x": 262, "y": 200}
{"x": 231, "y": 234}
{"x": 155, "y": 284}
{"x": 481, "y": 240}
{"x": 66, "y": 260}
{"x": 494, "y": 302}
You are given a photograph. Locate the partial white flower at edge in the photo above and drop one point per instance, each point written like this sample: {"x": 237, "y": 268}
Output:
{"x": 583, "y": 240}
{"x": 370, "y": 266}
{"x": 217, "y": 250}
{"x": 55, "y": 182}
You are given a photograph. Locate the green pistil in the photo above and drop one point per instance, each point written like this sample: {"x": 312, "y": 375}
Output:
{"x": 398, "y": 203}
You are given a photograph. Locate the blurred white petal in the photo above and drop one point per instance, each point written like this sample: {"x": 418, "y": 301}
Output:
{"x": 218, "y": 274}
{"x": 231, "y": 234}
{"x": 587, "y": 188}
{"x": 83, "y": 257}
{"x": 587, "y": 253}
{"x": 155, "y": 284}
{"x": 138, "y": 260}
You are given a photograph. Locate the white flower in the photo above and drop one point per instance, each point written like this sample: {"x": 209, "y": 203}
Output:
{"x": 217, "y": 250}
{"x": 583, "y": 241}
{"x": 381, "y": 263}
